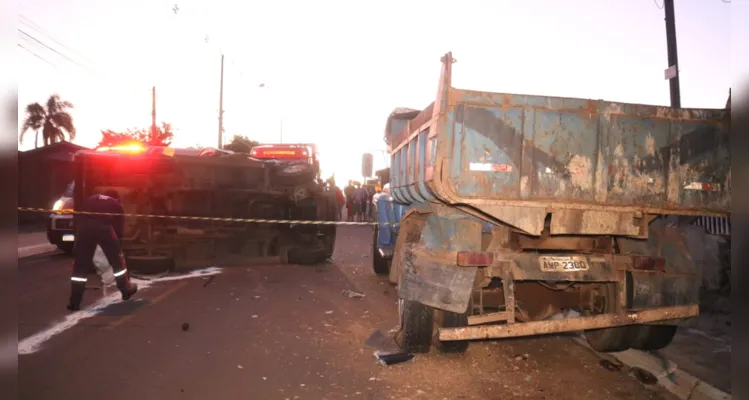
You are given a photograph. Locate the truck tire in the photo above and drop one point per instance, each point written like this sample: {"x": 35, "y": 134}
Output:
{"x": 609, "y": 339}
{"x": 66, "y": 247}
{"x": 294, "y": 173}
{"x": 447, "y": 319}
{"x": 380, "y": 265}
{"x": 150, "y": 265}
{"x": 415, "y": 334}
{"x": 652, "y": 337}
{"x": 307, "y": 256}
{"x": 331, "y": 231}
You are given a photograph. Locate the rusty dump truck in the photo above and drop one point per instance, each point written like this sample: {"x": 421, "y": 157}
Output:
{"x": 507, "y": 211}
{"x": 195, "y": 210}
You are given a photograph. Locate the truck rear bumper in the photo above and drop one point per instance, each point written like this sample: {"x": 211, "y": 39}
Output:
{"x": 569, "y": 324}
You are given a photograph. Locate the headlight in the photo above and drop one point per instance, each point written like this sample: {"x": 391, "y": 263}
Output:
{"x": 57, "y": 206}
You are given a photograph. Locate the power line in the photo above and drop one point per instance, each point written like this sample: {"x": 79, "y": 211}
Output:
{"x": 31, "y": 24}
{"x": 37, "y": 55}
{"x": 32, "y": 38}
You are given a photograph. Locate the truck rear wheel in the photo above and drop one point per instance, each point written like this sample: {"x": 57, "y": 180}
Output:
{"x": 651, "y": 337}
{"x": 380, "y": 265}
{"x": 415, "y": 334}
{"x": 608, "y": 339}
{"x": 294, "y": 173}
{"x": 447, "y": 319}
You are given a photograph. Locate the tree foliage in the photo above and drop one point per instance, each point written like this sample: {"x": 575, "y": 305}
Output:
{"x": 241, "y": 144}
{"x": 162, "y": 136}
{"x": 53, "y": 120}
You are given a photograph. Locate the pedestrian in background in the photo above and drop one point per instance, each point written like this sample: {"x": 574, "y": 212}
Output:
{"x": 348, "y": 191}
{"x": 340, "y": 200}
{"x": 360, "y": 199}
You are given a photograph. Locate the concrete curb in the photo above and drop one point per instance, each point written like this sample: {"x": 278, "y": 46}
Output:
{"x": 36, "y": 249}
{"x": 676, "y": 381}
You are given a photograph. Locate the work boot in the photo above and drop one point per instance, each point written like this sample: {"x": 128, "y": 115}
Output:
{"x": 76, "y": 295}
{"x": 127, "y": 288}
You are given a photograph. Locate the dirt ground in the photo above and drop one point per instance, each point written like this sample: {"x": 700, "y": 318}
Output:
{"x": 281, "y": 332}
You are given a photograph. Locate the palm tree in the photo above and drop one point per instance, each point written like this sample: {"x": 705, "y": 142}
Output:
{"x": 54, "y": 121}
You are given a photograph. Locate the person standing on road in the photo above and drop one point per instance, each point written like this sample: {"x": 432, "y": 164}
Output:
{"x": 360, "y": 200}
{"x": 370, "y": 205}
{"x": 340, "y": 200}
{"x": 104, "y": 231}
{"x": 349, "y": 192}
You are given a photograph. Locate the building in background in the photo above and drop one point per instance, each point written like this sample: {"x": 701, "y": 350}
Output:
{"x": 43, "y": 174}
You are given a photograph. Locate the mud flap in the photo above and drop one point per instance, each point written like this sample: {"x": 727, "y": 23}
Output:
{"x": 438, "y": 285}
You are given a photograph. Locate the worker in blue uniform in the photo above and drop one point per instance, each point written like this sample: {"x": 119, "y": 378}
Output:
{"x": 99, "y": 230}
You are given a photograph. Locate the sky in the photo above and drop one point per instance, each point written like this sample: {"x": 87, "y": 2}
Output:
{"x": 330, "y": 72}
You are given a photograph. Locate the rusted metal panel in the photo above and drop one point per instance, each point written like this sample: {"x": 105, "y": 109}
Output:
{"x": 494, "y": 151}
{"x": 487, "y": 318}
{"x": 568, "y": 324}
{"x": 649, "y": 289}
{"x": 436, "y": 284}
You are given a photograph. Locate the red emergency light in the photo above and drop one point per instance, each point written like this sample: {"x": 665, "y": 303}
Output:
{"x": 133, "y": 148}
{"x": 280, "y": 152}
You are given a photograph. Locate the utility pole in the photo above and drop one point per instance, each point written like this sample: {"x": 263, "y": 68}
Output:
{"x": 221, "y": 107}
{"x": 672, "y": 73}
{"x": 153, "y": 115}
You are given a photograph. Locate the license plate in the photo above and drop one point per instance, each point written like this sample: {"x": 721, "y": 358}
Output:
{"x": 68, "y": 238}
{"x": 564, "y": 263}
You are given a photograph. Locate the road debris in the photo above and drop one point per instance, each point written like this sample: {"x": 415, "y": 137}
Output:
{"x": 351, "y": 294}
{"x": 379, "y": 341}
{"x": 392, "y": 357}
{"x": 329, "y": 312}
{"x": 610, "y": 365}
{"x": 185, "y": 327}
{"x": 643, "y": 376}
{"x": 240, "y": 367}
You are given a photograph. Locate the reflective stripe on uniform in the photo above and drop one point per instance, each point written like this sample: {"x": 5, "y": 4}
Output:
{"x": 120, "y": 273}
{"x": 77, "y": 279}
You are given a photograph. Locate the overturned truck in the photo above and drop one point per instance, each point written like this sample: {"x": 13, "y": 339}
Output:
{"x": 192, "y": 210}
{"x": 505, "y": 210}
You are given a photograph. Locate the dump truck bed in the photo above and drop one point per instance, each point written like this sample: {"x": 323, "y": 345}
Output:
{"x": 518, "y": 158}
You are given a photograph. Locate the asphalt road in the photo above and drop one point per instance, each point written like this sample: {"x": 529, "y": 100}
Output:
{"x": 276, "y": 332}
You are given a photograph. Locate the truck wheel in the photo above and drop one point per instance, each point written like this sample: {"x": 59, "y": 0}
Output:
{"x": 447, "y": 319}
{"x": 380, "y": 265}
{"x": 66, "y": 247}
{"x": 294, "y": 173}
{"x": 307, "y": 256}
{"x": 652, "y": 337}
{"x": 331, "y": 231}
{"x": 608, "y": 339}
{"x": 415, "y": 334}
{"x": 150, "y": 265}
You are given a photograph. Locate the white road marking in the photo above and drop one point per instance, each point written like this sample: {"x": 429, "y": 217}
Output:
{"x": 42, "y": 248}
{"x": 34, "y": 342}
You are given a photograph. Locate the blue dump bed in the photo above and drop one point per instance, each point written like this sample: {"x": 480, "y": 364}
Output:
{"x": 595, "y": 165}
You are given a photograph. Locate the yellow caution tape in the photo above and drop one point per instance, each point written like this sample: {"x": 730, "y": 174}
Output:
{"x": 189, "y": 218}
